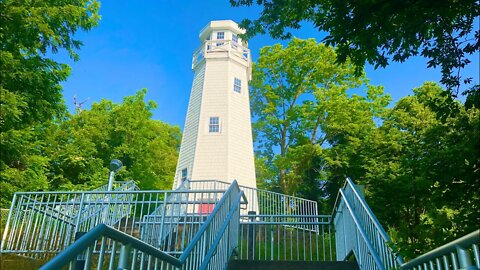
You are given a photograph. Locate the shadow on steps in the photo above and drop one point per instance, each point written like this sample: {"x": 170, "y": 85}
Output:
{"x": 290, "y": 265}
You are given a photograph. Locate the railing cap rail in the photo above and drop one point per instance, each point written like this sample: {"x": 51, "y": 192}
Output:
{"x": 207, "y": 222}
{"x": 258, "y": 189}
{"x": 370, "y": 247}
{"x": 121, "y": 192}
{"x": 104, "y": 230}
{"x": 465, "y": 241}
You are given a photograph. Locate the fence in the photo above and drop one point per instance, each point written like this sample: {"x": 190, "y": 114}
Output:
{"x": 209, "y": 248}
{"x": 286, "y": 237}
{"x": 264, "y": 202}
{"x": 41, "y": 225}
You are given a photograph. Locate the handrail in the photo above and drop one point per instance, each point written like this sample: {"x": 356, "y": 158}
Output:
{"x": 465, "y": 241}
{"x": 104, "y": 230}
{"x": 220, "y": 233}
{"x": 369, "y": 211}
{"x": 120, "y": 192}
{"x": 372, "y": 251}
{"x": 369, "y": 214}
{"x": 205, "y": 225}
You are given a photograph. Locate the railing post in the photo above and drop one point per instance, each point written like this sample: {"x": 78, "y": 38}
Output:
{"x": 251, "y": 235}
{"x": 271, "y": 238}
{"x": 465, "y": 262}
{"x": 124, "y": 259}
{"x": 80, "y": 263}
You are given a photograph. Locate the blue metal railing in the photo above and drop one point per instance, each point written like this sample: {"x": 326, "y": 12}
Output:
{"x": 358, "y": 231}
{"x": 173, "y": 229}
{"x": 454, "y": 255}
{"x": 213, "y": 243}
{"x": 351, "y": 238}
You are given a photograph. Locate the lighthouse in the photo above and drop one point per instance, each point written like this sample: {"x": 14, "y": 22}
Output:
{"x": 217, "y": 138}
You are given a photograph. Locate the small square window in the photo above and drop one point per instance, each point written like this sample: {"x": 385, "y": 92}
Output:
{"x": 214, "y": 125}
{"x": 237, "y": 85}
{"x": 184, "y": 175}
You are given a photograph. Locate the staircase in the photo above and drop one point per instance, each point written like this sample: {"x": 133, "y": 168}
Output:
{"x": 244, "y": 229}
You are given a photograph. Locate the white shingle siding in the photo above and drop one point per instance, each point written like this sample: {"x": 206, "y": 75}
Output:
{"x": 228, "y": 154}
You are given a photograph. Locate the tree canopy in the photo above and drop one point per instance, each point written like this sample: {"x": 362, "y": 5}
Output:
{"x": 81, "y": 147}
{"x": 378, "y": 32}
{"x": 302, "y": 100}
{"x": 30, "y": 90}
{"x": 317, "y": 123}
{"x": 42, "y": 146}
{"x": 421, "y": 170}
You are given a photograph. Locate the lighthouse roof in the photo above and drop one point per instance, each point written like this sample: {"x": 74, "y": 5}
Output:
{"x": 220, "y": 25}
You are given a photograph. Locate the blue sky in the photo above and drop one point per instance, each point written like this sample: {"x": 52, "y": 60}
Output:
{"x": 149, "y": 44}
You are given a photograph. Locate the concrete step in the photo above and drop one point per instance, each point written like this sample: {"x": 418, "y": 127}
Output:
{"x": 290, "y": 265}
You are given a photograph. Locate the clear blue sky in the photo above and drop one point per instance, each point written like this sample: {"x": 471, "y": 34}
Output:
{"x": 149, "y": 44}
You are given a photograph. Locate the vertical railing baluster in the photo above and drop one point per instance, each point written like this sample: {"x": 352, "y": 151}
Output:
{"x": 476, "y": 255}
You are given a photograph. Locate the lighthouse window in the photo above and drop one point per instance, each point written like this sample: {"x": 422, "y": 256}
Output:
{"x": 220, "y": 35}
{"x": 184, "y": 175}
{"x": 234, "y": 41}
{"x": 214, "y": 125}
{"x": 237, "y": 85}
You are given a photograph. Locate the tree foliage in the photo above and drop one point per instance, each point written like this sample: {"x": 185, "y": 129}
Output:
{"x": 42, "y": 146}
{"x": 378, "y": 32}
{"x": 419, "y": 165}
{"x": 30, "y": 91}
{"x": 82, "y": 146}
{"x": 74, "y": 152}
{"x": 422, "y": 170}
{"x": 301, "y": 100}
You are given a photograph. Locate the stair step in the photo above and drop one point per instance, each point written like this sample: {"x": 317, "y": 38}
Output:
{"x": 289, "y": 265}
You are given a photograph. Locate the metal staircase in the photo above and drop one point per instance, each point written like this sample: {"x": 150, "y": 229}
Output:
{"x": 212, "y": 225}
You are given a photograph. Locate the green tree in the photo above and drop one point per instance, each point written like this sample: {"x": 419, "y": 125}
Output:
{"x": 81, "y": 147}
{"x": 30, "y": 93}
{"x": 421, "y": 170}
{"x": 300, "y": 100}
{"x": 378, "y": 32}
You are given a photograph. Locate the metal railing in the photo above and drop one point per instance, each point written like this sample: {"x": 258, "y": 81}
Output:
{"x": 454, "y": 255}
{"x": 264, "y": 202}
{"x": 286, "y": 237}
{"x": 362, "y": 216}
{"x": 351, "y": 238}
{"x": 164, "y": 224}
{"x": 276, "y": 226}
{"x": 41, "y": 225}
{"x": 209, "y": 248}
{"x": 224, "y": 45}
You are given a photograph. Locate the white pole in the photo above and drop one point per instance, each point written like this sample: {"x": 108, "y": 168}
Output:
{"x": 110, "y": 180}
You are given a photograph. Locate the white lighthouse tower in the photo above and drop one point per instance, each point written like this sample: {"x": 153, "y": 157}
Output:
{"x": 217, "y": 138}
